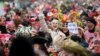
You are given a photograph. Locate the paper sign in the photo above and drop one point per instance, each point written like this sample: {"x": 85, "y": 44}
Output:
{"x": 73, "y": 28}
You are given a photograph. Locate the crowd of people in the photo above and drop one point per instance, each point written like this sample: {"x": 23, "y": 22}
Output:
{"x": 43, "y": 28}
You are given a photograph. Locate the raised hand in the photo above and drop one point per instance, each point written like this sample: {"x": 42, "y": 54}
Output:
{"x": 39, "y": 9}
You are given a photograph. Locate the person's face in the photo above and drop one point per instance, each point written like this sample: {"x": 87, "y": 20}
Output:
{"x": 98, "y": 19}
{"x": 1, "y": 21}
{"x": 54, "y": 24}
{"x": 37, "y": 10}
{"x": 9, "y": 42}
{"x": 65, "y": 30}
{"x": 36, "y": 46}
{"x": 84, "y": 22}
{"x": 90, "y": 25}
{"x": 11, "y": 28}
{"x": 97, "y": 32}
{"x": 80, "y": 32}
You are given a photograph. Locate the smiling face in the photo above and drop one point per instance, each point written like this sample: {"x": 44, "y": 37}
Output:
{"x": 54, "y": 24}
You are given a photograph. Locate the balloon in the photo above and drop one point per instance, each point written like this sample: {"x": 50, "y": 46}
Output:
{"x": 65, "y": 18}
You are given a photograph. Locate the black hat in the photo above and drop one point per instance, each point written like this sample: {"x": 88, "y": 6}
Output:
{"x": 45, "y": 36}
{"x": 39, "y": 40}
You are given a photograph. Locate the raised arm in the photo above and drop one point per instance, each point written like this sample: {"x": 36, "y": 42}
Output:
{"x": 41, "y": 16}
{"x": 43, "y": 23}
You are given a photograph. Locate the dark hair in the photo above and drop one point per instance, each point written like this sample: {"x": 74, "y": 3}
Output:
{"x": 66, "y": 33}
{"x": 17, "y": 22}
{"x": 41, "y": 34}
{"x": 21, "y": 46}
{"x": 76, "y": 38}
{"x": 46, "y": 35}
{"x": 45, "y": 13}
{"x": 83, "y": 36}
{"x": 41, "y": 39}
{"x": 3, "y": 29}
{"x": 92, "y": 20}
{"x": 37, "y": 20}
{"x": 25, "y": 23}
{"x": 11, "y": 39}
{"x": 90, "y": 7}
{"x": 17, "y": 12}
{"x": 53, "y": 18}
{"x": 84, "y": 13}
{"x": 91, "y": 38}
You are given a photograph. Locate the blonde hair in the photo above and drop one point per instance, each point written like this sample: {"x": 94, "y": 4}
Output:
{"x": 97, "y": 29}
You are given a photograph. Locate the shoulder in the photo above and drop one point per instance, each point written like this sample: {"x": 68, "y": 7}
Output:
{"x": 86, "y": 32}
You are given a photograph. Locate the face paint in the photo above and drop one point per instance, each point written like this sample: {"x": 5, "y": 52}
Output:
{"x": 54, "y": 24}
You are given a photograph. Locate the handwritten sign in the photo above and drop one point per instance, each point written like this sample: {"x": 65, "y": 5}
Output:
{"x": 72, "y": 27}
